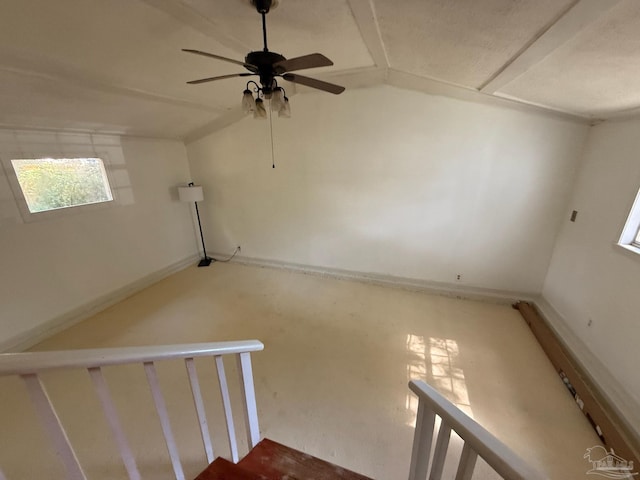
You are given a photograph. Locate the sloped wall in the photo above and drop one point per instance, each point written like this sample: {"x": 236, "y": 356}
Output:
{"x": 592, "y": 283}
{"x": 52, "y": 267}
{"x": 393, "y": 182}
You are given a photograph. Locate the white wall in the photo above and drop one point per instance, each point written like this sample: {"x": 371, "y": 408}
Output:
{"x": 52, "y": 267}
{"x": 393, "y": 182}
{"x": 590, "y": 278}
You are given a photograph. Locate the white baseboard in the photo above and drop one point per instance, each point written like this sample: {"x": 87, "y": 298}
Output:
{"x": 39, "y": 333}
{"x": 625, "y": 405}
{"x": 411, "y": 284}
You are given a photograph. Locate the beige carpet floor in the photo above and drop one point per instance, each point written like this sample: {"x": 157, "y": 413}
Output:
{"x": 332, "y": 380}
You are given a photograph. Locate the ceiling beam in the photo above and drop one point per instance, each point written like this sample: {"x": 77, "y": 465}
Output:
{"x": 366, "y": 18}
{"x": 431, "y": 86}
{"x": 360, "y": 77}
{"x": 187, "y": 15}
{"x": 86, "y": 131}
{"x": 564, "y": 28}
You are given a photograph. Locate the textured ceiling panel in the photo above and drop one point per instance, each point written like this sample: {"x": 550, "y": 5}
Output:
{"x": 464, "y": 42}
{"x": 120, "y": 42}
{"x": 596, "y": 73}
{"x": 295, "y": 27}
{"x": 35, "y": 102}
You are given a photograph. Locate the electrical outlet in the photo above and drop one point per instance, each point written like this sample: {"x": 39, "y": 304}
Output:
{"x": 574, "y": 215}
{"x": 459, "y": 277}
{"x": 589, "y": 323}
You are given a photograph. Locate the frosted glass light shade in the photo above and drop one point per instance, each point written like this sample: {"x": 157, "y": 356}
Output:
{"x": 277, "y": 99}
{"x": 260, "y": 111}
{"x": 285, "y": 109}
{"x": 248, "y": 103}
{"x": 191, "y": 194}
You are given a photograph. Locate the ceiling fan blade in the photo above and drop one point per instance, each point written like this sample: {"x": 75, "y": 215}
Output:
{"x": 314, "y": 83}
{"x": 312, "y": 60}
{"x": 248, "y": 66}
{"x": 221, "y": 77}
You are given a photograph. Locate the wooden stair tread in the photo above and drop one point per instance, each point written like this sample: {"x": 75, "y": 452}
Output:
{"x": 279, "y": 462}
{"x": 221, "y": 469}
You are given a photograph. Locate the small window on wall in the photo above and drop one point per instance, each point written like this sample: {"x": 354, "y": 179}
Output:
{"x": 58, "y": 183}
{"x": 630, "y": 238}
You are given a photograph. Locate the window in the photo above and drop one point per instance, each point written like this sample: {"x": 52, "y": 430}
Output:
{"x": 53, "y": 175}
{"x": 630, "y": 238}
{"x": 53, "y": 183}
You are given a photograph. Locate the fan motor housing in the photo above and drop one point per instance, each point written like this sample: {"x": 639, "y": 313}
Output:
{"x": 264, "y": 61}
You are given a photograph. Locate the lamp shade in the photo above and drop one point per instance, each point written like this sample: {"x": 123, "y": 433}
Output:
{"x": 191, "y": 194}
{"x": 248, "y": 102}
{"x": 277, "y": 99}
{"x": 285, "y": 109}
{"x": 260, "y": 111}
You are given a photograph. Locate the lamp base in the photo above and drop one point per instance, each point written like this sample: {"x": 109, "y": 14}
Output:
{"x": 205, "y": 262}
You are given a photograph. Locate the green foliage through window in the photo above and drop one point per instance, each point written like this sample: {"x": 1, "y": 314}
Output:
{"x": 52, "y": 183}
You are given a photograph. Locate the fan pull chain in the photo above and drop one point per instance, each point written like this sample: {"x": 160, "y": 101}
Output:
{"x": 273, "y": 161}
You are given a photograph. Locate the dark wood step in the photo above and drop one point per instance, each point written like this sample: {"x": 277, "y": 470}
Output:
{"x": 221, "y": 469}
{"x": 279, "y": 462}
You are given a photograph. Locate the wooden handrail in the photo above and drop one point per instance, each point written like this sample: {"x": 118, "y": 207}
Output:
{"x": 500, "y": 457}
{"x": 33, "y": 362}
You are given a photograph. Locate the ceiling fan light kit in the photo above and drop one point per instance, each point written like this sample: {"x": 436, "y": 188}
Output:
{"x": 268, "y": 66}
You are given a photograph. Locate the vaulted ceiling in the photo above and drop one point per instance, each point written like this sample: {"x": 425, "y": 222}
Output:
{"x": 116, "y": 66}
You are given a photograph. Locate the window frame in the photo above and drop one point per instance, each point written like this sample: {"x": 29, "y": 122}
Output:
{"x": 26, "y": 214}
{"x": 636, "y": 240}
{"x": 630, "y": 237}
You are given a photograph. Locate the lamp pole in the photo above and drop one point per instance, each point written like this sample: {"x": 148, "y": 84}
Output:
{"x": 206, "y": 261}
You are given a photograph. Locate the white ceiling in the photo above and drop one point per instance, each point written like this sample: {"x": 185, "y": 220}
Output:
{"x": 116, "y": 66}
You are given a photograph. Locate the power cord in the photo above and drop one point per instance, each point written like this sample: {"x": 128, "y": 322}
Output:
{"x": 230, "y": 258}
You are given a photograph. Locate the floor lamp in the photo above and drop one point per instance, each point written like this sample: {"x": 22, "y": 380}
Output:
{"x": 193, "y": 193}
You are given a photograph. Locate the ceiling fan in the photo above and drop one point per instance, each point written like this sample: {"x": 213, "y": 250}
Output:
{"x": 268, "y": 65}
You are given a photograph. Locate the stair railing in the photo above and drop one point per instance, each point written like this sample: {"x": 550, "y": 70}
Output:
{"x": 28, "y": 366}
{"x": 477, "y": 442}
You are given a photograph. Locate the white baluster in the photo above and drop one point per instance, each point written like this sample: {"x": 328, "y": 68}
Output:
{"x": 53, "y": 426}
{"x": 440, "y": 453}
{"x": 422, "y": 440}
{"x": 109, "y": 409}
{"x": 161, "y": 408}
{"x": 226, "y": 402}
{"x": 249, "y": 396}
{"x": 197, "y": 400}
{"x": 467, "y": 463}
